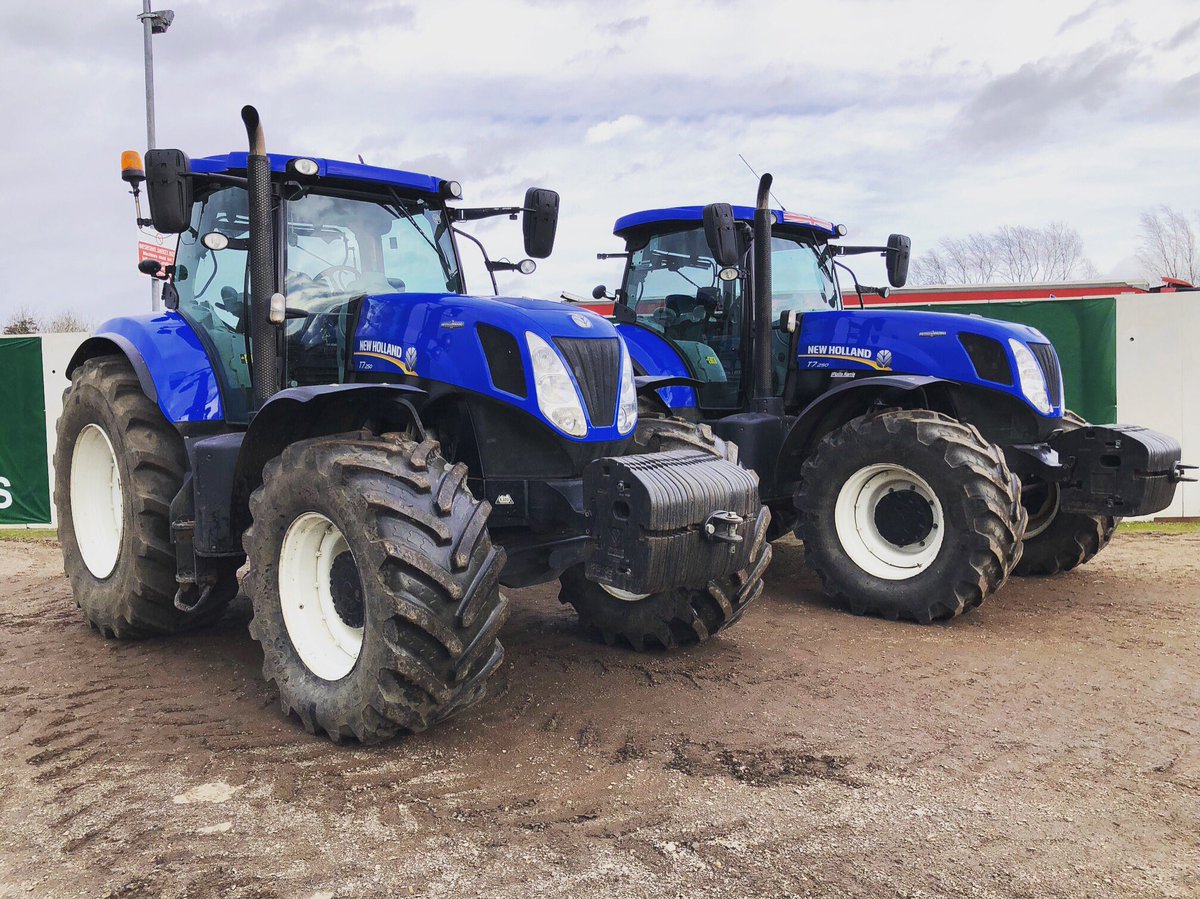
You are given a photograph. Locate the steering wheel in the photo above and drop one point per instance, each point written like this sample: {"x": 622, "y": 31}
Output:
{"x": 664, "y": 316}
{"x": 329, "y": 275}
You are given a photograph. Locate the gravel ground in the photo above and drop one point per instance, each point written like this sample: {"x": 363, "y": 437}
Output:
{"x": 1043, "y": 746}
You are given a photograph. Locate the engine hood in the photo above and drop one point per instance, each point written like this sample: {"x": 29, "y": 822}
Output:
{"x": 924, "y": 343}
{"x": 435, "y": 337}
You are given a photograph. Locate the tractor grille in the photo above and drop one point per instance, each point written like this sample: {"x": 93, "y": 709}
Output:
{"x": 1048, "y": 360}
{"x": 596, "y": 364}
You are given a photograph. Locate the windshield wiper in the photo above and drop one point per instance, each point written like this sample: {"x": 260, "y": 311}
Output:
{"x": 399, "y": 208}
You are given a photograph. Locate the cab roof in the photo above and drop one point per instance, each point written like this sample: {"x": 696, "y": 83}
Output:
{"x": 687, "y": 214}
{"x": 328, "y": 168}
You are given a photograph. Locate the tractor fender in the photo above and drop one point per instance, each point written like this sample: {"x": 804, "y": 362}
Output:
{"x": 837, "y": 406}
{"x": 301, "y": 413}
{"x": 114, "y": 345}
{"x": 170, "y": 362}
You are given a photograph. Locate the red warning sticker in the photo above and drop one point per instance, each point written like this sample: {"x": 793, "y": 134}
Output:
{"x": 164, "y": 255}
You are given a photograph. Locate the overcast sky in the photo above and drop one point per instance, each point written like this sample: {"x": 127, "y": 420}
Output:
{"x": 930, "y": 118}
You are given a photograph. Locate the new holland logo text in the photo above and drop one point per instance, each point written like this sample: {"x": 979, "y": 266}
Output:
{"x": 404, "y": 358}
{"x": 853, "y": 352}
{"x": 823, "y": 355}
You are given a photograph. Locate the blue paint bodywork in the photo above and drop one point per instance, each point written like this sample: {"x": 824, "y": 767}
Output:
{"x": 184, "y": 380}
{"x": 910, "y": 341}
{"x": 440, "y": 328}
{"x": 389, "y": 326}
{"x": 691, "y": 214}
{"x": 327, "y": 168}
{"x": 654, "y": 356}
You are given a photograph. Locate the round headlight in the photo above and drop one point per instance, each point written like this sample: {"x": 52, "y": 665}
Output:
{"x": 527, "y": 266}
{"x": 452, "y": 189}
{"x": 215, "y": 240}
{"x": 728, "y": 274}
{"x": 306, "y": 167}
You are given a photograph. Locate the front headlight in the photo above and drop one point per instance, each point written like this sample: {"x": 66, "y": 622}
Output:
{"x": 627, "y": 410}
{"x": 1033, "y": 382}
{"x": 556, "y": 394}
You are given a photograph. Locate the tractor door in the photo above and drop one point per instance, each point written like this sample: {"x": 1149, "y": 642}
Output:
{"x": 211, "y": 277}
{"x": 671, "y": 284}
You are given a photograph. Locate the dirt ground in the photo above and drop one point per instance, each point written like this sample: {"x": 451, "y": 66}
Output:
{"x": 1045, "y": 745}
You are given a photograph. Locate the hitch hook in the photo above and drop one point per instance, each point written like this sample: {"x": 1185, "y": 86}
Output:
{"x": 721, "y": 527}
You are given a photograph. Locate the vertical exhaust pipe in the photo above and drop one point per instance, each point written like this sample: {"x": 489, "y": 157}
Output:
{"x": 264, "y": 369}
{"x": 764, "y": 399}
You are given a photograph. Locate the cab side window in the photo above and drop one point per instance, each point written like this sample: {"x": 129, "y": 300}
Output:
{"x": 212, "y": 287}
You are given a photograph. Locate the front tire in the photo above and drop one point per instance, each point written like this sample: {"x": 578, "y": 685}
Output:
{"x": 1057, "y": 541}
{"x": 375, "y": 585}
{"x": 682, "y": 615}
{"x": 118, "y": 463}
{"x": 909, "y": 514}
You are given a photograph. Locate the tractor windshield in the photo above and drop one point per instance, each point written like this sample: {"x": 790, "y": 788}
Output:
{"x": 341, "y": 247}
{"x": 672, "y": 285}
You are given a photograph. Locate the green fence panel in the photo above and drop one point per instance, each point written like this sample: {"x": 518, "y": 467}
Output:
{"x": 24, "y": 478}
{"x": 1084, "y": 333}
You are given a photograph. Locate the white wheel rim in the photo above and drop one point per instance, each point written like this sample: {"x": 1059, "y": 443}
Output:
{"x": 855, "y": 520}
{"x": 326, "y": 644}
{"x": 1042, "y": 518}
{"x": 97, "y": 507}
{"x": 623, "y": 595}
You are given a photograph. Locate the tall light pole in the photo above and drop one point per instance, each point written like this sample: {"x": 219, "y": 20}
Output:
{"x": 152, "y": 23}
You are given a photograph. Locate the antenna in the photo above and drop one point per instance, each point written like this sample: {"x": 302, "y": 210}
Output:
{"x": 360, "y": 160}
{"x": 755, "y": 174}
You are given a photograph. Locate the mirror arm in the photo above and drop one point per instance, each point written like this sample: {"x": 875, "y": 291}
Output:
{"x": 855, "y": 251}
{"x": 483, "y": 251}
{"x": 484, "y": 212}
{"x": 218, "y": 178}
{"x": 858, "y": 290}
{"x": 613, "y": 255}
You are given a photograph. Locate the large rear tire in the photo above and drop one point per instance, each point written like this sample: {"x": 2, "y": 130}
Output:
{"x": 375, "y": 585}
{"x": 1057, "y": 541}
{"x": 682, "y": 615}
{"x": 118, "y": 463}
{"x": 909, "y": 514}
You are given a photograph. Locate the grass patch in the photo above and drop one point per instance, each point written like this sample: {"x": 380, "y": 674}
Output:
{"x": 31, "y": 535}
{"x": 1159, "y": 527}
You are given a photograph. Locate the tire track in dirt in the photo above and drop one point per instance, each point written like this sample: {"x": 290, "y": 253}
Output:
{"x": 1036, "y": 747}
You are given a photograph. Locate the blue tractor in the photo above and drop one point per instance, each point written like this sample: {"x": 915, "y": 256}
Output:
{"x": 322, "y": 400}
{"x": 921, "y": 457}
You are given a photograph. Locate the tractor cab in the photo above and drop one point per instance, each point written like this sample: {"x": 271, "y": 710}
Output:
{"x": 347, "y": 232}
{"x": 673, "y": 286}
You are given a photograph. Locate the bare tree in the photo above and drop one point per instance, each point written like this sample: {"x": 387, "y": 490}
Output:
{"x": 23, "y": 321}
{"x": 1168, "y": 245}
{"x": 68, "y": 322}
{"x": 1011, "y": 253}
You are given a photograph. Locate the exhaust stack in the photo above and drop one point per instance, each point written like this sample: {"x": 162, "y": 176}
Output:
{"x": 264, "y": 363}
{"x": 763, "y": 398}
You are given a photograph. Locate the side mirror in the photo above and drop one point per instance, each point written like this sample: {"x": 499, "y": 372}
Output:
{"x": 789, "y": 321}
{"x": 169, "y": 189}
{"x": 599, "y": 292}
{"x": 540, "y": 221}
{"x": 899, "y": 247}
{"x": 720, "y": 230}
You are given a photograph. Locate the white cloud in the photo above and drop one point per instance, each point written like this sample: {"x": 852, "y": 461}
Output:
{"x": 606, "y": 131}
{"x": 888, "y": 117}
